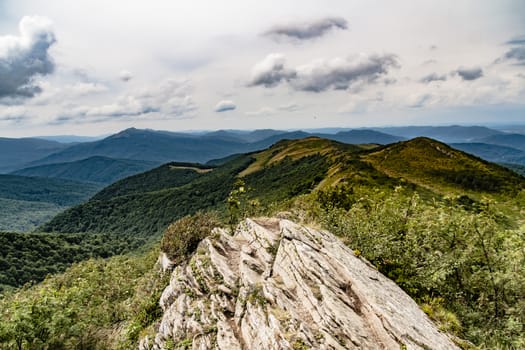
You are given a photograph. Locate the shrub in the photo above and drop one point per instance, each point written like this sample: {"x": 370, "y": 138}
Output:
{"x": 182, "y": 237}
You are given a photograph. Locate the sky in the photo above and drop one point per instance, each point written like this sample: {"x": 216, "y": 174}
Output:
{"x": 96, "y": 67}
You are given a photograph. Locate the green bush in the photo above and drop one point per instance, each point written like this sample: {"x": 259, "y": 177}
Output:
{"x": 471, "y": 261}
{"x": 182, "y": 237}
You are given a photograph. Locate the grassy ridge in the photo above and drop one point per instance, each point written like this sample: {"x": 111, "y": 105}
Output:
{"x": 443, "y": 169}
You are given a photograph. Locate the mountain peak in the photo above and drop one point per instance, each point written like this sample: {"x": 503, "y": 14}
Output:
{"x": 127, "y": 132}
{"x": 435, "y": 165}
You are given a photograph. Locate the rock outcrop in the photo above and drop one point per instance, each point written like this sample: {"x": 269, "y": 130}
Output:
{"x": 278, "y": 285}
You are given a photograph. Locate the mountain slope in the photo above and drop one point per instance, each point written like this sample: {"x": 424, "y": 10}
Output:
{"x": 437, "y": 166}
{"x": 492, "y": 153}
{"x": 147, "y": 213}
{"x": 156, "y": 146}
{"x": 166, "y": 176}
{"x": 27, "y": 202}
{"x": 15, "y": 153}
{"x": 39, "y": 189}
{"x": 146, "y": 203}
{"x": 94, "y": 169}
{"x": 459, "y": 256}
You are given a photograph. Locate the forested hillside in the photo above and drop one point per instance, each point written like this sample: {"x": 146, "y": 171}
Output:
{"x": 95, "y": 169}
{"x": 27, "y": 202}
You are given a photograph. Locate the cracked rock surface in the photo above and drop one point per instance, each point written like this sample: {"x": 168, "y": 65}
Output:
{"x": 275, "y": 284}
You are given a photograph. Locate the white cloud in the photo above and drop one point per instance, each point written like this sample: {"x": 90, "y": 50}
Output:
{"x": 267, "y": 111}
{"x": 217, "y": 48}
{"x": 224, "y": 106}
{"x": 271, "y": 71}
{"x": 13, "y": 114}
{"x": 125, "y": 75}
{"x": 170, "y": 99}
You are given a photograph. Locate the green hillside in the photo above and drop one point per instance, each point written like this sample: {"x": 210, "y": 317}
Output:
{"x": 96, "y": 169}
{"x": 148, "y": 213}
{"x": 23, "y": 216}
{"x": 434, "y": 165}
{"x": 166, "y": 176}
{"x": 145, "y": 204}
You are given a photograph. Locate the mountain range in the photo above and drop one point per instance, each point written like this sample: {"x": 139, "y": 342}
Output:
{"x": 163, "y": 146}
{"x": 148, "y": 202}
{"x": 133, "y": 151}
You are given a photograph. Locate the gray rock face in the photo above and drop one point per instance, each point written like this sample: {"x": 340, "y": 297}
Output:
{"x": 278, "y": 285}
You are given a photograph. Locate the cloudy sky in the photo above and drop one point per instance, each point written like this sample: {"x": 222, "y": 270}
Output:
{"x": 95, "y": 67}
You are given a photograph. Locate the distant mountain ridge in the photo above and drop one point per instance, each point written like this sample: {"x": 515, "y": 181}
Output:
{"x": 164, "y": 146}
{"x": 509, "y": 140}
{"x": 447, "y": 134}
{"x": 492, "y": 152}
{"x": 14, "y": 153}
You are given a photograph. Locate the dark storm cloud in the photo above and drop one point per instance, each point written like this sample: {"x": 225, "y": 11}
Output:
{"x": 469, "y": 73}
{"x": 24, "y": 57}
{"x": 433, "y": 77}
{"x": 307, "y": 30}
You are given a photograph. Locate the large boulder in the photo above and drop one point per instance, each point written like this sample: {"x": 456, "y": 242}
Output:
{"x": 275, "y": 284}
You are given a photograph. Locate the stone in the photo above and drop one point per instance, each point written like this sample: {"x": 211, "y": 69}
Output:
{"x": 276, "y": 284}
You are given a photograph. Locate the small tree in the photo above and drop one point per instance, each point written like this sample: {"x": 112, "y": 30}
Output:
{"x": 236, "y": 202}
